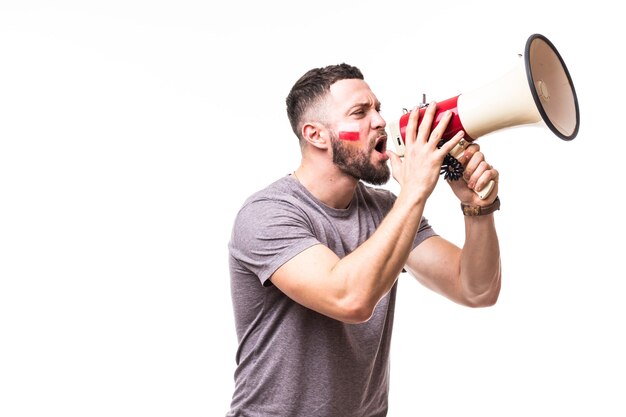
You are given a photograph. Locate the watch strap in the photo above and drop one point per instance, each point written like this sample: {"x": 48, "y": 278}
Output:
{"x": 472, "y": 210}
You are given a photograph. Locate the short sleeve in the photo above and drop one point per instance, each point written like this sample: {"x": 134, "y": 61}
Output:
{"x": 268, "y": 233}
{"x": 424, "y": 232}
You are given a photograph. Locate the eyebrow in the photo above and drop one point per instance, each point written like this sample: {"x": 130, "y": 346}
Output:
{"x": 366, "y": 104}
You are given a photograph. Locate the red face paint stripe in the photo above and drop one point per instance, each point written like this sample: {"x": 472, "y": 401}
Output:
{"x": 352, "y": 136}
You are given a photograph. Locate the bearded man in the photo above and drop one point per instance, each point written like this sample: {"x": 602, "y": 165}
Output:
{"x": 315, "y": 257}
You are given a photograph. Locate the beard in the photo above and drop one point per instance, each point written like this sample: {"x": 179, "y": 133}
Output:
{"x": 356, "y": 162}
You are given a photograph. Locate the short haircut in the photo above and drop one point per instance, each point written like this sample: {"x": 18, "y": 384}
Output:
{"x": 311, "y": 88}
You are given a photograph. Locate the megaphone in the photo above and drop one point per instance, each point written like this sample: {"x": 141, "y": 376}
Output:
{"x": 539, "y": 90}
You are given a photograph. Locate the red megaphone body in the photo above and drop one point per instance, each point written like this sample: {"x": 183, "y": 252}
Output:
{"x": 538, "y": 89}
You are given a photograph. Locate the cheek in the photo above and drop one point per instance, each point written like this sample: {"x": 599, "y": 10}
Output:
{"x": 349, "y": 136}
{"x": 349, "y": 132}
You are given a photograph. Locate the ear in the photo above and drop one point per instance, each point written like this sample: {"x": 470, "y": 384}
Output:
{"x": 316, "y": 135}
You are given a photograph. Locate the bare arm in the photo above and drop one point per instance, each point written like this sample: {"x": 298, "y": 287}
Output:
{"x": 348, "y": 289}
{"x": 471, "y": 275}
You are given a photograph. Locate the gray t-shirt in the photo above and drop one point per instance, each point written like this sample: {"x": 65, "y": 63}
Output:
{"x": 293, "y": 361}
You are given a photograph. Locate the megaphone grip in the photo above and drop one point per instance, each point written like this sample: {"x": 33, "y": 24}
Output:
{"x": 458, "y": 149}
{"x": 486, "y": 191}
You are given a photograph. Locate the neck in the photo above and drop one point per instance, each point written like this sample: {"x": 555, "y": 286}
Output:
{"x": 331, "y": 186}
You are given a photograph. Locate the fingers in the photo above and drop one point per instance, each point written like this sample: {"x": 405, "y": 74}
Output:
{"x": 420, "y": 131}
{"x": 411, "y": 127}
{"x": 449, "y": 145}
{"x": 471, "y": 149}
{"x": 478, "y": 172}
{"x": 396, "y": 161}
{"x": 427, "y": 121}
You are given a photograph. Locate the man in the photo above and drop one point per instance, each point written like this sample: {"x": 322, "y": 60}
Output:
{"x": 314, "y": 257}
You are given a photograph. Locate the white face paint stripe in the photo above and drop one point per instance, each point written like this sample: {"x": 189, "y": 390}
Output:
{"x": 348, "y": 131}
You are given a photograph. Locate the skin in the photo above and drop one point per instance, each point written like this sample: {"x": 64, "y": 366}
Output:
{"x": 348, "y": 289}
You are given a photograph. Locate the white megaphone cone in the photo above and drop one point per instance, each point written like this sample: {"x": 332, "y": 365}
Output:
{"x": 539, "y": 90}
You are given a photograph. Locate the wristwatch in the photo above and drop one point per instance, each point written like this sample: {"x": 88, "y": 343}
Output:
{"x": 470, "y": 210}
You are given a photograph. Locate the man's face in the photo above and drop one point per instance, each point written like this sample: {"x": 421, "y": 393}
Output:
{"x": 357, "y": 132}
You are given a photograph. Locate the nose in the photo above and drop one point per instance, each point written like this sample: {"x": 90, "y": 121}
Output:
{"x": 377, "y": 121}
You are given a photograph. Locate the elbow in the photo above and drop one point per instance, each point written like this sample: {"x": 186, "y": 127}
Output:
{"x": 354, "y": 305}
{"x": 355, "y": 311}
{"x": 486, "y": 298}
{"x": 483, "y": 301}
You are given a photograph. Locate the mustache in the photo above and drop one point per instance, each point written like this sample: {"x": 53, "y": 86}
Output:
{"x": 380, "y": 137}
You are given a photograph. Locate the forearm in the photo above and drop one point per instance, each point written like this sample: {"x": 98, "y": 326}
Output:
{"x": 480, "y": 268}
{"x": 369, "y": 272}
{"x": 349, "y": 288}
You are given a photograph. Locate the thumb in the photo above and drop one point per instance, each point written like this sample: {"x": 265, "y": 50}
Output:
{"x": 396, "y": 161}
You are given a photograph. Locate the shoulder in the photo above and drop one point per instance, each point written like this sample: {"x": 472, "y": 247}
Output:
{"x": 281, "y": 194}
{"x": 278, "y": 204}
{"x": 280, "y": 188}
{"x": 270, "y": 228}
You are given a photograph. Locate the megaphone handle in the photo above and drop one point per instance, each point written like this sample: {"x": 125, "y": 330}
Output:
{"x": 456, "y": 152}
{"x": 486, "y": 191}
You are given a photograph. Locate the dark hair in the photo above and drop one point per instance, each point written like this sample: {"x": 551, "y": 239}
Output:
{"x": 312, "y": 87}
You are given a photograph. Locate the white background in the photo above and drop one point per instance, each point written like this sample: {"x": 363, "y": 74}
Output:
{"x": 131, "y": 132}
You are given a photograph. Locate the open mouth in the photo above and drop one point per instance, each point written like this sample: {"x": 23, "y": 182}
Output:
{"x": 381, "y": 144}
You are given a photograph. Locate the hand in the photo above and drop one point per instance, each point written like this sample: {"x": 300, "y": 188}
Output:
{"x": 418, "y": 173}
{"x": 476, "y": 176}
